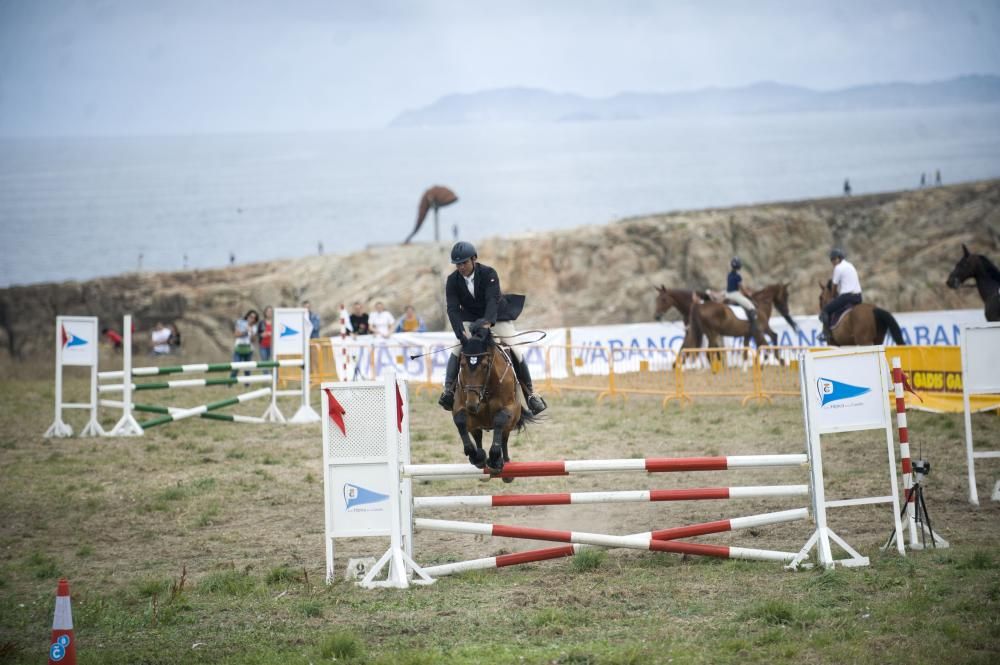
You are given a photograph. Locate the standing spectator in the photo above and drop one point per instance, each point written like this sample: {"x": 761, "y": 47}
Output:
{"x": 359, "y": 320}
{"x": 265, "y": 329}
{"x": 243, "y": 334}
{"x": 381, "y": 320}
{"x": 160, "y": 338}
{"x": 313, "y": 320}
{"x": 937, "y": 177}
{"x": 923, "y": 180}
{"x": 175, "y": 338}
{"x": 410, "y": 322}
{"x": 847, "y": 187}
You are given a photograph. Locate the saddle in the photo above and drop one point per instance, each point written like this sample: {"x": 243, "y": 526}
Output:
{"x": 838, "y": 316}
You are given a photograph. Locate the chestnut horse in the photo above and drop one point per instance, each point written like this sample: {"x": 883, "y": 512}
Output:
{"x": 986, "y": 276}
{"x": 862, "y": 325}
{"x": 681, "y": 299}
{"x": 486, "y": 398}
{"x": 714, "y": 319}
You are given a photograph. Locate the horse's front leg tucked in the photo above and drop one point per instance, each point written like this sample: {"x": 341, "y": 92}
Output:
{"x": 477, "y": 456}
{"x": 500, "y": 420}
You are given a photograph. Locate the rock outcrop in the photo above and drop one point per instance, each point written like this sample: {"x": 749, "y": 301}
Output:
{"x": 904, "y": 244}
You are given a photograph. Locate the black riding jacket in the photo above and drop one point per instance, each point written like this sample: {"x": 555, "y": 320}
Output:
{"x": 488, "y": 304}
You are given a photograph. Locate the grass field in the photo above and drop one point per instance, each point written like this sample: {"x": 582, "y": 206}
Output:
{"x": 202, "y": 542}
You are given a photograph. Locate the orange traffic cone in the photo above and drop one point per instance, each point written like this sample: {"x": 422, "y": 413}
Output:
{"x": 63, "y": 647}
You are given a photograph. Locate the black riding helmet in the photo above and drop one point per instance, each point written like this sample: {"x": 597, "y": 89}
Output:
{"x": 736, "y": 263}
{"x": 836, "y": 253}
{"x": 462, "y": 252}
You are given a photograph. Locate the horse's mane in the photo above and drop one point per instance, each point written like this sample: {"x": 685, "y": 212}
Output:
{"x": 991, "y": 269}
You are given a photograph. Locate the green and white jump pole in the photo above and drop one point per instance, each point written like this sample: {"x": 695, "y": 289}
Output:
{"x": 204, "y": 409}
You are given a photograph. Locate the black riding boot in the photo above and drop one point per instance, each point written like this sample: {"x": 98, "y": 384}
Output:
{"x": 752, "y": 320}
{"x": 824, "y": 319}
{"x": 535, "y": 402}
{"x": 447, "y": 399}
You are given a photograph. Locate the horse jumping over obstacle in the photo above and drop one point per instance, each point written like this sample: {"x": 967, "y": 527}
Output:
{"x": 486, "y": 398}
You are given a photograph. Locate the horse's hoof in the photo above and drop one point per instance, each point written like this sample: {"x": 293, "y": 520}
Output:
{"x": 507, "y": 480}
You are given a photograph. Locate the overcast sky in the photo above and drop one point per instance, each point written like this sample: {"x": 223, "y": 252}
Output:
{"x": 179, "y": 66}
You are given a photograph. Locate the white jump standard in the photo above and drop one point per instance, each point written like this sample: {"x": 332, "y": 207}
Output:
{"x": 980, "y": 375}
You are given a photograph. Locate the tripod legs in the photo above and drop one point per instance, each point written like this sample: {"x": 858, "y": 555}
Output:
{"x": 921, "y": 521}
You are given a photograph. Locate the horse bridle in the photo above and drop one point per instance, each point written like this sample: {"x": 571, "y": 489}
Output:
{"x": 481, "y": 390}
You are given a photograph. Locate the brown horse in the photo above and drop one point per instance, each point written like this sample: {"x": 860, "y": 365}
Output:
{"x": 679, "y": 299}
{"x": 486, "y": 398}
{"x": 862, "y": 325}
{"x": 713, "y": 319}
{"x": 986, "y": 276}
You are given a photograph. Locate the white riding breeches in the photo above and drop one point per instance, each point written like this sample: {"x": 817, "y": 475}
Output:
{"x": 740, "y": 300}
{"x": 503, "y": 331}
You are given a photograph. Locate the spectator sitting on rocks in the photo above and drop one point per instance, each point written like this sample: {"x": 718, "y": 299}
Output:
{"x": 114, "y": 339}
{"x": 381, "y": 321}
{"x": 160, "y": 338}
{"x": 410, "y": 322}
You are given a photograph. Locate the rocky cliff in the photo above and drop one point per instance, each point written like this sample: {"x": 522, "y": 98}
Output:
{"x": 904, "y": 244}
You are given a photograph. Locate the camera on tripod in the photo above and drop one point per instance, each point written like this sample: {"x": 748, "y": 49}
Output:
{"x": 921, "y": 467}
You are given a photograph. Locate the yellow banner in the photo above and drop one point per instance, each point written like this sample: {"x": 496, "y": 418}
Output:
{"x": 935, "y": 372}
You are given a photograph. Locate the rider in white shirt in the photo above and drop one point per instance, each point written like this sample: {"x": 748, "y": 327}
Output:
{"x": 845, "y": 278}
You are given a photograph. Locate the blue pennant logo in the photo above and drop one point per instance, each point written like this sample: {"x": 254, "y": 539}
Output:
{"x": 355, "y": 495}
{"x": 75, "y": 341}
{"x": 287, "y": 331}
{"x": 834, "y": 391}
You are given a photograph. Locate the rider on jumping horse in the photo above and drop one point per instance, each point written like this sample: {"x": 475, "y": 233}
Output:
{"x": 845, "y": 278}
{"x": 476, "y": 302}
{"x": 737, "y": 293}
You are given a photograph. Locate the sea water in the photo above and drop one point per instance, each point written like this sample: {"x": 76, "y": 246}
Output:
{"x": 75, "y": 208}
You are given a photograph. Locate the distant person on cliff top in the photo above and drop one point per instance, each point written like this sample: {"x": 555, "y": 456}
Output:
{"x": 937, "y": 177}
{"x": 475, "y": 301}
{"x": 845, "y": 278}
{"x": 847, "y": 187}
{"x": 739, "y": 294}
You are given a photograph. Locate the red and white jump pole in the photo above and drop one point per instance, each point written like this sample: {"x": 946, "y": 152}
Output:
{"x": 635, "y": 496}
{"x": 567, "y": 467}
{"x": 657, "y": 541}
{"x": 904, "y": 455}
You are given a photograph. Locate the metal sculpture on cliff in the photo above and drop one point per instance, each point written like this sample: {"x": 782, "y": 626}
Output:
{"x": 986, "y": 276}
{"x": 434, "y": 198}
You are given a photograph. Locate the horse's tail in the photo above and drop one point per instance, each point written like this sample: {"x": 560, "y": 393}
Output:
{"x": 527, "y": 418}
{"x": 782, "y": 308}
{"x": 884, "y": 320}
